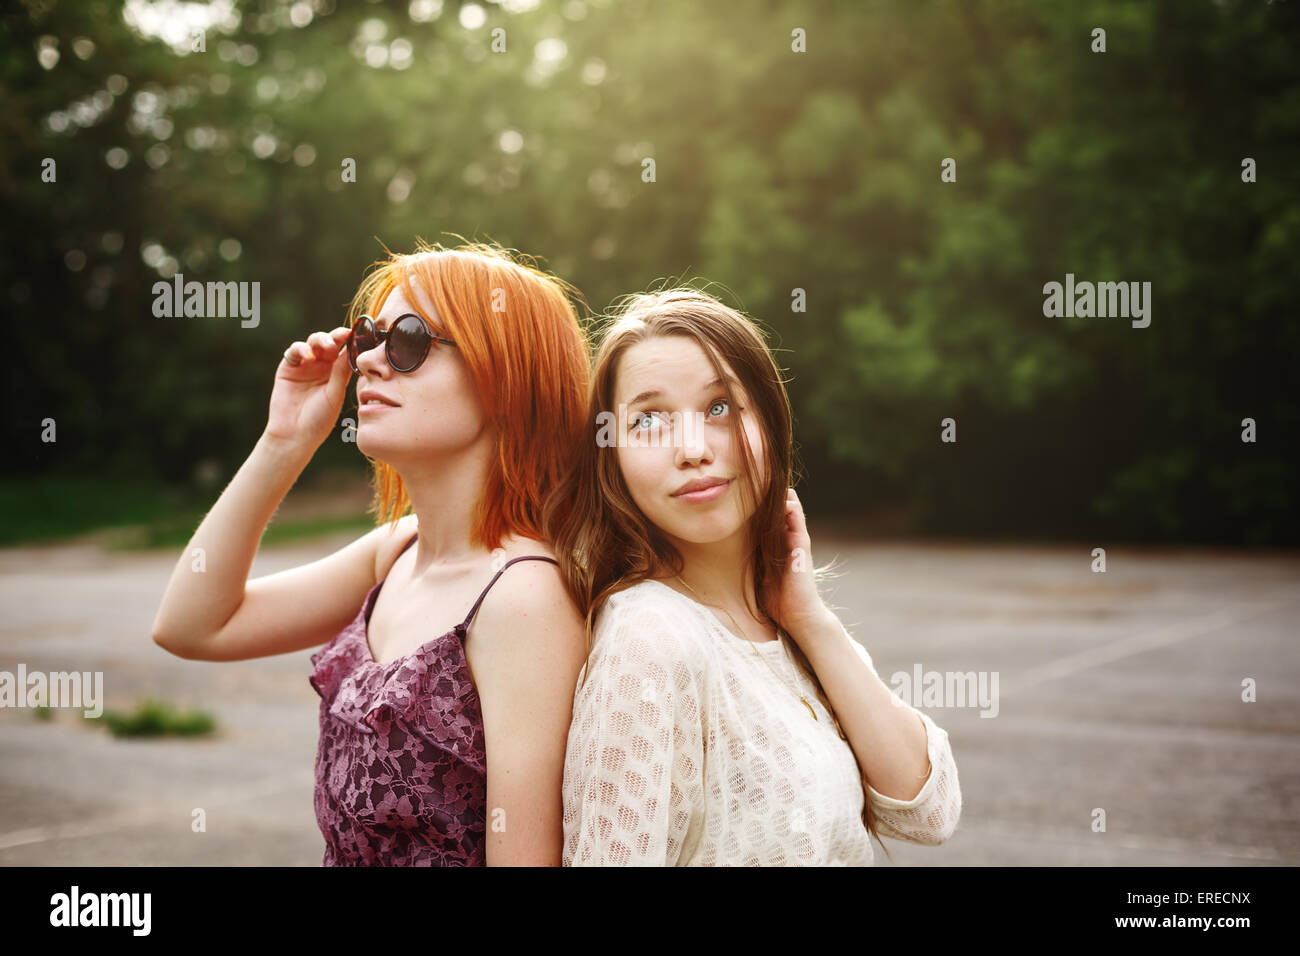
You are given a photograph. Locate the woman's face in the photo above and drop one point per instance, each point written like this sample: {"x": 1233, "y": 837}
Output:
{"x": 677, "y": 456}
{"x": 435, "y": 411}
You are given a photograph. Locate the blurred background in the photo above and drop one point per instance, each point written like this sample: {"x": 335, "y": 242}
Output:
{"x": 774, "y": 171}
{"x": 210, "y": 139}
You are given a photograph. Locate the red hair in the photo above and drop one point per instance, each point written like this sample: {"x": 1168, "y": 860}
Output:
{"x": 519, "y": 334}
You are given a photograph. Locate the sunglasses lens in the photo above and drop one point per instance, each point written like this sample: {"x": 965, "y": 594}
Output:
{"x": 408, "y": 342}
{"x": 361, "y": 340}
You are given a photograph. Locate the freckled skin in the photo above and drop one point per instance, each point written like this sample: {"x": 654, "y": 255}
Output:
{"x": 439, "y": 412}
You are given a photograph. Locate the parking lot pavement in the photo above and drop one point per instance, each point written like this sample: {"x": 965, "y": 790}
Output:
{"x": 1118, "y": 694}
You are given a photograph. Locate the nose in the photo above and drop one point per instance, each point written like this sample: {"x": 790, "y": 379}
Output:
{"x": 693, "y": 446}
{"x": 373, "y": 363}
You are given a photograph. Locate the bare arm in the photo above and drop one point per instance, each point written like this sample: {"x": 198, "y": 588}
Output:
{"x": 208, "y": 612}
{"x": 906, "y": 760}
{"x": 531, "y": 645}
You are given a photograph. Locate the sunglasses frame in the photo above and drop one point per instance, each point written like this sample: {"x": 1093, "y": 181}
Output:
{"x": 381, "y": 338}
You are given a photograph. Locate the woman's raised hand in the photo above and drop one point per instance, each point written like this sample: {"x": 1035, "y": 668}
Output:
{"x": 796, "y": 604}
{"x": 310, "y": 385}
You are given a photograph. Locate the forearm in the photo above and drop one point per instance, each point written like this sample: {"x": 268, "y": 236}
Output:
{"x": 888, "y": 740}
{"x": 207, "y": 584}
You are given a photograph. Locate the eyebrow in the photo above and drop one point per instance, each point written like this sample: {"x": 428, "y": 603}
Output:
{"x": 655, "y": 392}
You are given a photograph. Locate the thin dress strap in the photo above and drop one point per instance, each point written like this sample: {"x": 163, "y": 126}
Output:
{"x": 474, "y": 610}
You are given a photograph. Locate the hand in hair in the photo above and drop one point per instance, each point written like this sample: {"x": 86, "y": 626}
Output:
{"x": 795, "y": 604}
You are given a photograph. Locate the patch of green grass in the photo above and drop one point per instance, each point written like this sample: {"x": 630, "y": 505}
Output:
{"x": 156, "y": 718}
{"x": 130, "y": 515}
{"x": 177, "y": 533}
{"x": 46, "y": 509}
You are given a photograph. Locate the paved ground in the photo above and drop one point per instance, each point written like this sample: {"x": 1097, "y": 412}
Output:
{"x": 1120, "y": 691}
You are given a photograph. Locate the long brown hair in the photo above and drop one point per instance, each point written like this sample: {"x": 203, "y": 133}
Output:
{"x": 603, "y": 540}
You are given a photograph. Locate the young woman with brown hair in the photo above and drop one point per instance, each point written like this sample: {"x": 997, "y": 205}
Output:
{"x": 724, "y": 715}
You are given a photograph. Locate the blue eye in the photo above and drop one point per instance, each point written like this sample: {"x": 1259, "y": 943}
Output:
{"x": 640, "y": 416}
{"x": 720, "y": 402}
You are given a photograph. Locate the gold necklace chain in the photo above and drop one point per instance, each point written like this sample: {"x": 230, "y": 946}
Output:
{"x": 740, "y": 632}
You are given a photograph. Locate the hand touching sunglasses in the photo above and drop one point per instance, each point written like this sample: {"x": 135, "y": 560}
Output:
{"x": 408, "y": 339}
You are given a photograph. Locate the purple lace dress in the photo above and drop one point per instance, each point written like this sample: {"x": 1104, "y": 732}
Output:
{"x": 401, "y": 772}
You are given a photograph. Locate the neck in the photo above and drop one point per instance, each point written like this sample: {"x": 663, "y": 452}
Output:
{"x": 444, "y": 495}
{"x": 720, "y": 573}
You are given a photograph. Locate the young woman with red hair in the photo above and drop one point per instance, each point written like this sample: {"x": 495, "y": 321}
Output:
{"x": 472, "y": 377}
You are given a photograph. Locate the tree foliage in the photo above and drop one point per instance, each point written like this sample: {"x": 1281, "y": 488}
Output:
{"x": 774, "y": 171}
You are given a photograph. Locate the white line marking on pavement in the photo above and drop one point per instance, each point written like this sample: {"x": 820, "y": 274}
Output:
{"x": 1141, "y": 643}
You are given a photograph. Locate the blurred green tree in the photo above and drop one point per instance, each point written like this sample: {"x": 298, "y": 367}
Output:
{"x": 530, "y": 123}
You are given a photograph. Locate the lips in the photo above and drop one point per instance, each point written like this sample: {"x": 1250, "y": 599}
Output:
{"x": 367, "y": 395}
{"x": 700, "y": 485}
{"x": 706, "y": 491}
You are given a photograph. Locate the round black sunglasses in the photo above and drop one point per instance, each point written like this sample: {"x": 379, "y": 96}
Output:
{"x": 408, "y": 341}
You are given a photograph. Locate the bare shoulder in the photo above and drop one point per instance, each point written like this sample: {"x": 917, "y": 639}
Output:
{"x": 389, "y": 542}
{"x": 529, "y": 589}
{"x": 515, "y": 546}
{"x": 529, "y": 600}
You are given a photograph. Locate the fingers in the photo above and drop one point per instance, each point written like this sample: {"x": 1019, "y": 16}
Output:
{"x": 323, "y": 344}
{"x": 794, "y": 513}
{"x": 319, "y": 345}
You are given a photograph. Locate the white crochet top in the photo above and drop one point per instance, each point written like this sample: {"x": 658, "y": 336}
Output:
{"x": 687, "y": 750}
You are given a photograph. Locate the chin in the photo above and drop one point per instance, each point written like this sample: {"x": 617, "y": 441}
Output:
{"x": 702, "y": 532}
{"x": 372, "y": 446}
